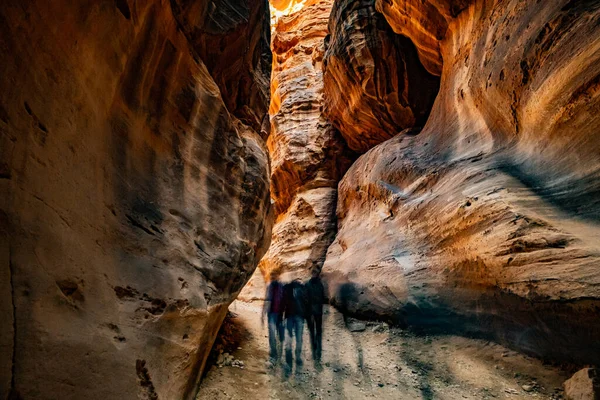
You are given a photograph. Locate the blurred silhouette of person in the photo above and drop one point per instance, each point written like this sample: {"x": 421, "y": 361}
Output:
{"x": 273, "y": 307}
{"x": 346, "y": 297}
{"x": 295, "y": 311}
{"x": 316, "y": 298}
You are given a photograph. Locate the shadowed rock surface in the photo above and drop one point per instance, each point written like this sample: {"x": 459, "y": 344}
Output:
{"x": 135, "y": 202}
{"x": 232, "y": 38}
{"x": 486, "y": 221}
{"x": 308, "y": 156}
{"x": 425, "y": 23}
{"x": 374, "y": 84}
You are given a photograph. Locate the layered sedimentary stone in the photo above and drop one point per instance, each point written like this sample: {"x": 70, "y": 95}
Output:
{"x": 308, "y": 156}
{"x": 375, "y": 84}
{"x": 488, "y": 220}
{"x": 302, "y": 235}
{"x": 134, "y": 203}
{"x": 425, "y": 23}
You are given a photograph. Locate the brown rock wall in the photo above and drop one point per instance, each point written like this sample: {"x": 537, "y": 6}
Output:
{"x": 487, "y": 221}
{"x": 374, "y": 82}
{"x": 308, "y": 157}
{"x": 425, "y": 23}
{"x": 134, "y": 205}
{"x": 232, "y": 38}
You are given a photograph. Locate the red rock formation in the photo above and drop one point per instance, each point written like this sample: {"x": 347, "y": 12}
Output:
{"x": 307, "y": 154}
{"x": 134, "y": 203}
{"x": 375, "y": 84}
{"x": 487, "y": 221}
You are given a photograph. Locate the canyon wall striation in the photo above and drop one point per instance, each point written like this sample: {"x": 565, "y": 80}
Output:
{"x": 488, "y": 220}
{"x": 135, "y": 190}
{"x": 308, "y": 156}
{"x": 374, "y": 82}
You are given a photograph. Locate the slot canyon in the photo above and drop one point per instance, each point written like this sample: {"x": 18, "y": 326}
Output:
{"x": 165, "y": 166}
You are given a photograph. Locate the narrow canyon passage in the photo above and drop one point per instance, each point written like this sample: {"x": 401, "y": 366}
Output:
{"x": 428, "y": 171}
{"x": 408, "y": 178}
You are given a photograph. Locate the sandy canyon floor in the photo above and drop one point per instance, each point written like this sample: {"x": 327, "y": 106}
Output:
{"x": 379, "y": 362}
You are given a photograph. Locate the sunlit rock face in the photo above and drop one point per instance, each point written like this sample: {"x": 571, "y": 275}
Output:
{"x": 488, "y": 220}
{"x": 375, "y": 84}
{"x": 425, "y": 23}
{"x": 308, "y": 156}
{"x": 135, "y": 191}
{"x": 285, "y": 7}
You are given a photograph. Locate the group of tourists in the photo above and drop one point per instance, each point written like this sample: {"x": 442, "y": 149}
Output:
{"x": 288, "y": 306}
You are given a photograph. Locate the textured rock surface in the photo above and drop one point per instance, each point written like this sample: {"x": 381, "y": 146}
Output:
{"x": 425, "y": 23}
{"x": 583, "y": 385}
{"x": 307, "y": 154}
{"x": 375, "y": 85}
{"x": 134, "y": 204}
{"x": 488, "y": 220}
{"x": 255, "y": 289}
{"x": 232, "y": 38}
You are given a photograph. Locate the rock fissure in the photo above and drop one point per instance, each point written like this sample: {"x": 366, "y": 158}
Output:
{"x": 147, "y": 387}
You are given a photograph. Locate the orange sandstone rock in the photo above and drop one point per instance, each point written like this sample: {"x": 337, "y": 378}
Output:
{"x": 487, "y": 221}
{"x": 134, "y": 201}
{"x": 308, "y": 157}
{"x": 375, "y": 85}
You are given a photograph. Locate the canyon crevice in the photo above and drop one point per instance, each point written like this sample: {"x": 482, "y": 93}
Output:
{"x": 135, "y": 188}
{"x": 375, "y": 84}
{"x": 308, "y": 156}
{"x": 436, "y": 160}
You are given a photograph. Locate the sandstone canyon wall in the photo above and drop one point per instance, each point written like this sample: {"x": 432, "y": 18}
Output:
{"x": 308, "y": 156}
{"x": 375, "y": 84}
{"x": 135, "y": 190}
{"x": 487, "y": 221}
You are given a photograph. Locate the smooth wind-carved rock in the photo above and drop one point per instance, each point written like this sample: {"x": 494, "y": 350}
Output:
{"x": 488, "y": 220}
{"x": 425, "y": 23}
{"x": 135, "y": 191}
{"x": 232, "y": 38}
{"x": 375, "y": 85}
